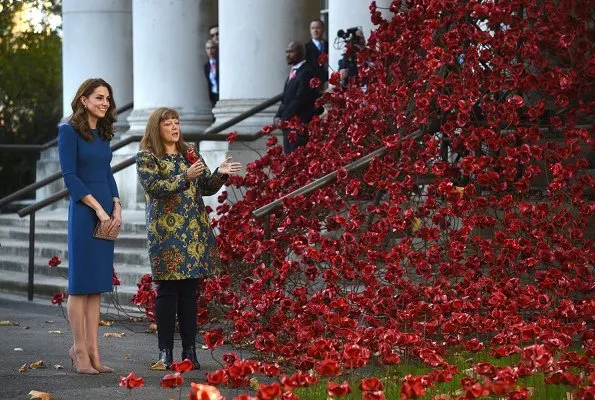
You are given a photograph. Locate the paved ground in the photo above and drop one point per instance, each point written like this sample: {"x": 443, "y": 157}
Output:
{"x": 132, "y": 353}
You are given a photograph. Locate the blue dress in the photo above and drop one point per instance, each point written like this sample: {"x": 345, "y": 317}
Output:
{"x": 86, "y": 170}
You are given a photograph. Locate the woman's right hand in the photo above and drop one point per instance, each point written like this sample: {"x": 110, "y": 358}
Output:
{"x": 195, "y": 170}
{"x": 106, "y": 221}
{"x": 102, "y": 215}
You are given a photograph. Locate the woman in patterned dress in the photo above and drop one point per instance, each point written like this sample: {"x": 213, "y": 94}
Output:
{"x": 182, "y": 245}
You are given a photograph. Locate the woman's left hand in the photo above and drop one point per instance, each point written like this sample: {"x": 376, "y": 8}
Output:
{"x": 229, "y": 167}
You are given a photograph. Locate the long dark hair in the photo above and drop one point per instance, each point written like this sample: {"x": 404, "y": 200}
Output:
{"x": 79, "y": 119}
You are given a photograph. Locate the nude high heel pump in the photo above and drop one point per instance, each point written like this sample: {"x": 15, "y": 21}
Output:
{"x": 103, "y": 369}
{"x": 74, "y": 365}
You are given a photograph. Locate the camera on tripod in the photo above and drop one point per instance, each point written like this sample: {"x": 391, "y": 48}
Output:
{"x": 348, "y": 34}
{"x": 352, "y": 40}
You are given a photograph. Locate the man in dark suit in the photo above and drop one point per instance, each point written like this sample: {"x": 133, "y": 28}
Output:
{"x": 314, "y": 48}
{"x": 211, "y": 69}
{"x": 298, "y": 97}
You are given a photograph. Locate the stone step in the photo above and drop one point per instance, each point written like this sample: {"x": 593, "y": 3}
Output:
{"x": 17, "y": 282}
{"x": 125, "y": 240}
{"x": 131, "y": 256}
{"x": 129, "y": 274}
{"x": 133, "y": 220}
{"x": 13, "y": 263}
{"x": 122, "y": 255}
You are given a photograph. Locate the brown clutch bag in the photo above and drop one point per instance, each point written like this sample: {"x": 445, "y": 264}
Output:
{"x": 105, "y": 234}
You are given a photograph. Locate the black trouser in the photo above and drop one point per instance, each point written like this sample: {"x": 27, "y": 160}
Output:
{"x": 289, "y": 146}
{"x": 177, "y": 295}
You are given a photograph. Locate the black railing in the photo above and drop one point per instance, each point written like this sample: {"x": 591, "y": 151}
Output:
{"x": 40, "y": 147}
{"x": 135, "y": 138}
{"x": 213, "y": 135}
{"x": 245, "y": 137}
{"x": 54, "y": 141}
{"x": 266, "y": 210}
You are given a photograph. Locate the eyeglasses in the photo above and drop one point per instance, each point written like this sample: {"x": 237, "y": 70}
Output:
{"x": 214, "y": 34}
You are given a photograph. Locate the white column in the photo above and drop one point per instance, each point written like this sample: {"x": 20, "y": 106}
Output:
{"x": 168, "y": 38}
{"x": 96, "y": 43}
{"x": 344, "y": 14}
{"x": 168, "y": 52}
{"x": 253, "y": 36}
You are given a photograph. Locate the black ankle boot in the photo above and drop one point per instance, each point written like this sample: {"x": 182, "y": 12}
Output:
{"x": 167, "y": 356}
{"x": 190, "y": 353}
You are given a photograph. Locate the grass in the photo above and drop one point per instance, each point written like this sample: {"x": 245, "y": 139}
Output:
{"x": 391, "y": 376}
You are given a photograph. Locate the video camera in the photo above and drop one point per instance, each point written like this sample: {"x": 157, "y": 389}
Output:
{"x": 353, "y": 39}
{"x": 348, "y": 34}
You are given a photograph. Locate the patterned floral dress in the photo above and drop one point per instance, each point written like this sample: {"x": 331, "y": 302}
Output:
{"x": 181, "y": 242}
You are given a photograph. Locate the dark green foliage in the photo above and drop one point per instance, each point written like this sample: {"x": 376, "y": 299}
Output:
{"x": 30, "y": 88}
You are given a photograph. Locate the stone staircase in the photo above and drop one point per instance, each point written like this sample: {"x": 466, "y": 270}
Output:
{"x": 130, "y": 260}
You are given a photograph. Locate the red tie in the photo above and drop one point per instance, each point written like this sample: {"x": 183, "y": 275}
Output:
{"x": 291, "y": 73}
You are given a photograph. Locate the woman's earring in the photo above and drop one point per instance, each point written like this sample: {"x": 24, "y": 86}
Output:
{"x": 84, "y": 105}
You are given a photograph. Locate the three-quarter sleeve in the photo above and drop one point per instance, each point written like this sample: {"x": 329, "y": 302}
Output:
{"x": 152, "y": 180}
{"x": 209, "y": 183}
{"x": 67, "y": 150}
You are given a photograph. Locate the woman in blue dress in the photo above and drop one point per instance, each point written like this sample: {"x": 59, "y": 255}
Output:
{"x": 85, "y": 156}
{"x": 182, "y": 246}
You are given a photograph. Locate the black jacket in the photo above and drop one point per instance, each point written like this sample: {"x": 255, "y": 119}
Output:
{"x": 298, "y": 96}
{"x": 312, "y": 54}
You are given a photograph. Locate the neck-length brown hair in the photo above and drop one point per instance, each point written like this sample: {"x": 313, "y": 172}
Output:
{"x": 79, "y": 118}
{"x": 152, "y": 140}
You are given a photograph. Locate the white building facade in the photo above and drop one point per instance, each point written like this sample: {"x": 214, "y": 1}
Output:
{"x": 152, "y": 53}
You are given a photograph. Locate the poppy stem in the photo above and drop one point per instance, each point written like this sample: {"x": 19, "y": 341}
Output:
{"x": 64, "y": 313}
{"x": 216, "y": 360}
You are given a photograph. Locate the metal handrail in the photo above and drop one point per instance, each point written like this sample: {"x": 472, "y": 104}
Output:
{"x": 246, "y": 137}
{"x": 135, "y": 138}
{"x": 40, "y": 147}
{"x": 363, "y": 161}
{"x": 54, "y": 141}
{"x": 212, "y": 135}
{"x": 318, "y": 183}
{"x": 265, "y": 210}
